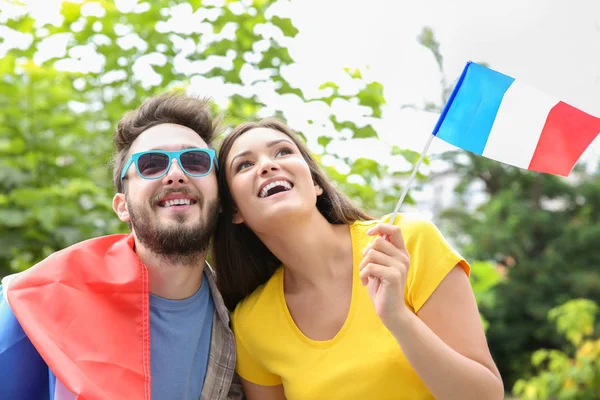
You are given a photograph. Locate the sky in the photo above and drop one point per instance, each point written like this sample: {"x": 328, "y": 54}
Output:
{"x": 550, "y": 44}
{"x": 553, "y": 45}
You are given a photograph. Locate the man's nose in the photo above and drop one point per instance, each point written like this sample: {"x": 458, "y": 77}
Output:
{"x": 175, "y": 175}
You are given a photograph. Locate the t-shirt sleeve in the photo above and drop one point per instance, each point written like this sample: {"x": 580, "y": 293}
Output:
{"x": 431, "y": 259}
{"x": 248, "y": 366}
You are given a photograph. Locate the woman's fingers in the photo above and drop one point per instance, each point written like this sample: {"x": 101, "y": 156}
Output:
{"x": 382, "y": 272}
{"x": 392, "y": 232}
{"x": 383, "y": 245}
{"x": 387, "y": 251}
{"x": 377, "y": 257}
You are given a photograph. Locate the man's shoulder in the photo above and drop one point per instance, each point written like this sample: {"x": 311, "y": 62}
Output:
{"x": 97, "y": 245}
{"x": 220, "y": 308}
{"x": 83, "y": 251}
{"x": 93, "y": 247}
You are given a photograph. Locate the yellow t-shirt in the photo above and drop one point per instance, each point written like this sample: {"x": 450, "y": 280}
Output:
{"x": 363, "y": 361}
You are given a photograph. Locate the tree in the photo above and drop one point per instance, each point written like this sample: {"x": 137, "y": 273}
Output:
{"x": 545, "y": 230}
{"x": 65, "y": 86}
{"x": 571, "y": 375}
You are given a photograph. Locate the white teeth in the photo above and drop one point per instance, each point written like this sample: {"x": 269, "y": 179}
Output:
{"x": 265, "y": 190}
{"x": 178, "y": 202}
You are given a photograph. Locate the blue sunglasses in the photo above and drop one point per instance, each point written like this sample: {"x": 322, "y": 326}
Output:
{"x": 155, "y": 164}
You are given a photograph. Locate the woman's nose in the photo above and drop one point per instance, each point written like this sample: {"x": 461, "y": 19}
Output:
{"x": 267, "y": 167}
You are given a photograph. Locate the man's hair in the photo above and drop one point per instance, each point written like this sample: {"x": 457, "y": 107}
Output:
{"x": 168, "y": 108}
{"x": 242, "y": 261}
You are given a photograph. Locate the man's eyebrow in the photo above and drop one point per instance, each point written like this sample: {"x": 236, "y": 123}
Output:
{"x": 247, "y": 152}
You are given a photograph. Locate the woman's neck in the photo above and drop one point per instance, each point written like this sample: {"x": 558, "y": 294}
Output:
{"x": 313, "y": 250}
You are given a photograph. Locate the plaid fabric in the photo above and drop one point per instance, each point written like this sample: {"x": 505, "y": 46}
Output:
{"x": 221, "y": 382}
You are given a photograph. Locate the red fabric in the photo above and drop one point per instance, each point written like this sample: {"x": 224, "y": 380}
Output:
{"x": 567, "y": 133}
{"x": 86, "y": 311}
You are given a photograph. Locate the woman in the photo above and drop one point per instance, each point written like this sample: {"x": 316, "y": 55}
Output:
{"x": 325, "y": 306}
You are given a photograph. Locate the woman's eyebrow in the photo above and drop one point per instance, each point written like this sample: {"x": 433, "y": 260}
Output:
{"x": 274, "y": 142}
{"x": 248, "y": 152}
{"x": 242, "y": 154}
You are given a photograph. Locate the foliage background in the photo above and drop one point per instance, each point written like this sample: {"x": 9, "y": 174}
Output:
{"x": 64, "y": 86}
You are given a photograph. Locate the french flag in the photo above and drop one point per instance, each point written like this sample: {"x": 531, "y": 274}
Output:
{"x": 498, "y": 117}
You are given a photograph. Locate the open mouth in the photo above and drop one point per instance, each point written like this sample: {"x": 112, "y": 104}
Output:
{"x": 274, "y": 188}
{"x": 176, "y": 202}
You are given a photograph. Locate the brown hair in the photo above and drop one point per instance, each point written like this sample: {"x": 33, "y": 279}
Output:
{"x": 168, "y": 108}
{"x": 242, "y": 261}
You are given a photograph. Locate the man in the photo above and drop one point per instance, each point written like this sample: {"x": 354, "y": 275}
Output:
{"x": 131, "y": 316}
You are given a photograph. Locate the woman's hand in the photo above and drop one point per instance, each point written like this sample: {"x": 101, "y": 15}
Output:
{"x": 384, "y": 269}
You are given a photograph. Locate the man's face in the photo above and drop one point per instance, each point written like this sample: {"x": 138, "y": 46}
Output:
{"x": 174, "y": 215}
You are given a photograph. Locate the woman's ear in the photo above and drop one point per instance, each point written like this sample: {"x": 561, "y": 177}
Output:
{"x": 318, "y": 189}
{"x": 237, "y": 217}
{"x": 120, "y": 207}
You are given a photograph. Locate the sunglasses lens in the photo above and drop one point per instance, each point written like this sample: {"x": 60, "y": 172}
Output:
{"x": 152, "y": 165}
{"x": 196, "y": 162}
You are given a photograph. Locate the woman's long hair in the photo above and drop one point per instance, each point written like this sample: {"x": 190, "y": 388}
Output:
{"x": 242, "y": 261}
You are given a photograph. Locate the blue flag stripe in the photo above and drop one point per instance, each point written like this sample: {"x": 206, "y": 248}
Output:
{"x": 472, "y": 108}
{"x": 23, "y": 373}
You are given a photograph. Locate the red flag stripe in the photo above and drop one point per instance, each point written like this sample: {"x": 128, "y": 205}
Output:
{"x": 567, "y": 132}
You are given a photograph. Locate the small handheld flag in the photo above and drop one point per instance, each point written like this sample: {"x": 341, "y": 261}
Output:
{"x": 499, "y": 117}
{"x": 504, "y": 119}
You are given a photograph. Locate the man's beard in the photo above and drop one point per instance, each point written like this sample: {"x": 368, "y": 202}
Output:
{"x": 175, "y": 241}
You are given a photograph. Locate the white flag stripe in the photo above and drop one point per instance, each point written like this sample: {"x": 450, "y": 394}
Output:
{"x": 62, "y": 393}
{"x": 518, "y": 125}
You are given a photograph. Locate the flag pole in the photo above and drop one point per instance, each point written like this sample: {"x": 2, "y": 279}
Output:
{"x": 434, "y": 134}
{"x": 410, "y": 180}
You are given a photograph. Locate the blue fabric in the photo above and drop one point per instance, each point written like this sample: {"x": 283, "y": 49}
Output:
{"x": 23, "y": 373}
{"x": 180, "y": 345}
{"x": 51, "y": 383}
{"x": 180, "y": 335}
{"x": 467, "y": 119}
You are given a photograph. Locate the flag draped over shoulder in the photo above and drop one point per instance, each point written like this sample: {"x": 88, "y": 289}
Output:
{"x": 77, "y": 325}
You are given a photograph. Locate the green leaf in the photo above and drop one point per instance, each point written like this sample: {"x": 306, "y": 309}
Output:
{"x": 71, "y": 12}
{"x": 330, "y": 85}
{"x": 372, "y": 97}
{"x": 366, "y": 131}
{"x": 286, "y": 26}
{"x": 409, "y": 155}
{"x": 324, "y": 140}
{"x": 13, "y": 217}
{"x": 427, "y": 39}
{"x": 539, "y": 357}
{"x": 366, "y": 167}
{"x": 353, "y": 72}
{"x": 286, "y": 88}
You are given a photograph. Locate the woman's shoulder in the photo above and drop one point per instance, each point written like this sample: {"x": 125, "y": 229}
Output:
{"x": 259, "y": 304}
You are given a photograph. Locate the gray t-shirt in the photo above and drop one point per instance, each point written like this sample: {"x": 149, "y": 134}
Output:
{"x": 180, "y": 334}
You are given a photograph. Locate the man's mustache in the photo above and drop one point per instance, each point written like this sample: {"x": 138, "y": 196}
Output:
{"x": 184, "y": 190}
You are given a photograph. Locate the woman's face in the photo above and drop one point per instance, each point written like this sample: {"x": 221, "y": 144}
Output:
{"x": 269, "y": 179}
